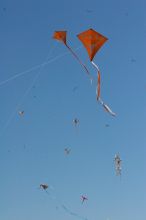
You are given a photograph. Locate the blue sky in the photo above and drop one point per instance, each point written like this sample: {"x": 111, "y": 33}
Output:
{"x": 32, "y": 146}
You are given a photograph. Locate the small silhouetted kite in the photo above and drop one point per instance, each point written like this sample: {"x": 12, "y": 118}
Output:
{"x": 83, "y": 198}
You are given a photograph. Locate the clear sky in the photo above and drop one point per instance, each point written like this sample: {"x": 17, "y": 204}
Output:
{"x": 32, "y": 146}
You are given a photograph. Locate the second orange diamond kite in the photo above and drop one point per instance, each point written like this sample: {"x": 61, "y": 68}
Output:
{"x": 61, "y": 36}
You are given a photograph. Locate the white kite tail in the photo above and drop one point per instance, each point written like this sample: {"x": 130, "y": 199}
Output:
{"x": 98, "y": 81}
{"x": 107, "y": 108}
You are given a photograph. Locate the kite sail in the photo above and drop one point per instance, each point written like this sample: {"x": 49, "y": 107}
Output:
{"x": 61, "y": 36}
{"x": 44, "y": 186}
{"x": 93, "y": 41}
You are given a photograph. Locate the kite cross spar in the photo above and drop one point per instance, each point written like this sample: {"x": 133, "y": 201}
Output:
{"x": 61, "y": 36}
{"x": 93, "y": 41}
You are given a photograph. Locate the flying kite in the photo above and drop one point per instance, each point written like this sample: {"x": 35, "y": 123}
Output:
{"x": 44, "y": 186}
{"x": 118, "y": 167}
{"x": 83, "y": 198}
{"x": 67, "y": 151}
{"x": 76, "y": 122}
{"x": 93, "y": 41}
{"x": 61, "y": 36}
{"x": 21, "y": 113}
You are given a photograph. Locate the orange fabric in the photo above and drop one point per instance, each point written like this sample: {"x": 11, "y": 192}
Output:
{"x": 60, "y": 35}
{"x": 92, "y": 41}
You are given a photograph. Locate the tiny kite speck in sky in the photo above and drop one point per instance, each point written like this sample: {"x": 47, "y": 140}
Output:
{"x": 83, "y": 198}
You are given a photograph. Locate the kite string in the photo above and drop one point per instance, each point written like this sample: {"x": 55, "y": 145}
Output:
{"x": 82, "y": 64}
{"x": 27, "y": 91}
{"x": 25, "y": 94}
{"x": 73, "y": 213}
{"x": 64, "y": 207}
{"x": 35, "y": 67}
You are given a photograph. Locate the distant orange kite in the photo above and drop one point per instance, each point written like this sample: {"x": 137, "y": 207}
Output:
{"x": 61, "y": 36}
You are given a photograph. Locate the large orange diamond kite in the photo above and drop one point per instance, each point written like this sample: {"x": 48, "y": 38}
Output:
{"x": 92, "y": 41}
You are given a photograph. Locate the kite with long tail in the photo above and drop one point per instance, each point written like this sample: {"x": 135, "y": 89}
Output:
{"x": 61, "y": 36}
{"x": 93, "y": 41}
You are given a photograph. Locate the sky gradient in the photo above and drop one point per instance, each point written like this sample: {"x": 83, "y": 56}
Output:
{"x": 32, "y": 146}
